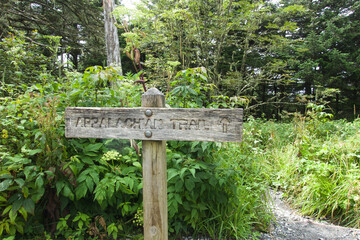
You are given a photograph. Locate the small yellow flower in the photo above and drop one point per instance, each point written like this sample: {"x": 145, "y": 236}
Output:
{"x": 31, "y": 119}
{"x": 4, "y": 133}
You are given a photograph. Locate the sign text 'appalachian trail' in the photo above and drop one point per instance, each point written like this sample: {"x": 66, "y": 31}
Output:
{"x": 222, "y": 125}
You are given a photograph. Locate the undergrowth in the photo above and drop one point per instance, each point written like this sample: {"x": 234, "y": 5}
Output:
{"x": 315, "y": 162}
{"x": 57, "y": 188}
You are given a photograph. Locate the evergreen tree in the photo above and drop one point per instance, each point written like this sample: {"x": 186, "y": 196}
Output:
{"x": 78, "y": 22}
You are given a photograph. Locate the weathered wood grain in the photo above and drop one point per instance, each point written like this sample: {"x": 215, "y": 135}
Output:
{"x": 154, "y": 178}
{"x": 221, "y": 125}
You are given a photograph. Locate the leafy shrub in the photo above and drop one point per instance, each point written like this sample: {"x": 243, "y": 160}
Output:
{"x": 88, "y": 188}
{"x": 190, "y": 89}
{"x": 91, "y": 89}
{"x": 214, "y": 191}
{"x": 317, "y": 166}
{"x": 22, "y": 62}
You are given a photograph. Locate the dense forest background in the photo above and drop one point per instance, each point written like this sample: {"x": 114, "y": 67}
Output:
{"x": 268, "y": 58}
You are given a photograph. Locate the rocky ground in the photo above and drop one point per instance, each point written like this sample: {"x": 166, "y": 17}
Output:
{"x": 292, "y": 226}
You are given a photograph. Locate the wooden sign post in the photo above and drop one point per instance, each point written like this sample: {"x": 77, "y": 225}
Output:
{"x": 155, "y": 124}
{"x": 154, "y": 175}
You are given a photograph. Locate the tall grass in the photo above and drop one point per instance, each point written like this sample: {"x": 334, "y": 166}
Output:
{"x": 315, "y": 161}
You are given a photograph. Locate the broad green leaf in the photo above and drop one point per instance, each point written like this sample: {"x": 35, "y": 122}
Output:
{"x": 87, "y": 160}
{"x": 29, "y": 205}
{"x": 194, "y": 213}
{"x": 123, "y": 188}
{"x": 194, "y": 144}
{"x": 93, "y": 147}
{"x": 5, "y": 184}
{"x": 37, "y": 135}
{"x": 5, "y": 175}
{"x": 179, "y": 186}
{"x": 213, "y": 181}
{"x": 23, "y": 212}
{"x": 39, "y": 183}
{"x": 91, "y": 154}
{"x": 12, "y": 216}
{"x": 82, "y": 177}
{"x": 129, "y": 182}
{"x": 192, "y": 170}
{"x": 9, "y": 231}
{"x": 100, "y": 194}
{"x": 95, "y": 176}
{"x": 81, "y": 190}
{"x": 137, "y": 164}
{"x": 205, "y": 145}
{"x": 25, "y": 191}
{"x": 178, "y": 198}
{"x": 176, "y": 90}
{"x": 172, "y": 172}
{"x": 17, "y": 204}
{"x": 7, "y": 209}
{"x": 202, "y": 207}
{"x": 20, "y": 160}
{"x": 182, "y": 172}
{"x": 35, "y": 151}
{"x": 19, "y": 228}
{"x": 128, "y": 170}
{"x": 67, "y": 192}
{"x": 59, "y": 186}
{"x": 29, "y": 172}
{"x": 73, "y": 169}
{"x": 89, "y": 184}
{"x": 20, "y": 182}
{"x": 189, "y": 184}
{"x": 192, "y": 91}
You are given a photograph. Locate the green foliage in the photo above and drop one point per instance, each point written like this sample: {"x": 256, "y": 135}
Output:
{"x": 21, "y": 62}
{"x": 31, "y": 148}
{"x": 214, "y": 195}
{"x": 41, "y": 169}
{"x": 230, "y": 54}
{"x": 92, "y": 88}
{"x": 78, "y": 23}
{"x": 314, "y": 161}
{"x": 22, "y": 185}
{"x": 30, "y": 125}
{"x": 191, "y": 88}
{"x": 76, "y": 184}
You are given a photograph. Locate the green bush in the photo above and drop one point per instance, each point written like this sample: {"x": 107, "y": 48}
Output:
{"x": 315, "y": 161}
{"x": 22, "y": 62}
{"x": 214, "y": 191}
{"x": 91, "y": 188}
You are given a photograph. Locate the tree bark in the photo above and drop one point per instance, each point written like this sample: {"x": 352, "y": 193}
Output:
{"x": 111, "y": 36}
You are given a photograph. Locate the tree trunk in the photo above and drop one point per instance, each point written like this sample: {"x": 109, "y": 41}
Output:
{"x": 111, "y": 36}
{"x": 308, "y": 86}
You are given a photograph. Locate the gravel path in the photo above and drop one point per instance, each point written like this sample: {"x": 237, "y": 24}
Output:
{"x": 291, "y": 225}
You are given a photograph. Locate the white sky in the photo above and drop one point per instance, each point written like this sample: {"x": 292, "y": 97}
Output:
{"x": 130, "y": 3}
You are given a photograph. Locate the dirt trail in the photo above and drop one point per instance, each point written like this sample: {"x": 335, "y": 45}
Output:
{"x": 291, "y": 225}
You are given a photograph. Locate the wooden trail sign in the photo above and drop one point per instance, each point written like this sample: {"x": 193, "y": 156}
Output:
{"x": 154, "y": 124}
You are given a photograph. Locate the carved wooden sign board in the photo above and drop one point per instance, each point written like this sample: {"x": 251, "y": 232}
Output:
{"x": 220, "y": 125}
{"x": 154, "y": 124}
